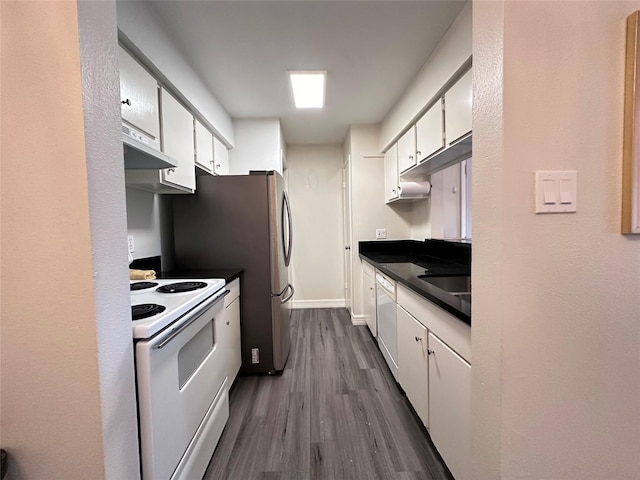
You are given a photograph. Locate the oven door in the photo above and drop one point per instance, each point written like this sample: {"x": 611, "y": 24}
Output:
{"x": 178, "y": 373}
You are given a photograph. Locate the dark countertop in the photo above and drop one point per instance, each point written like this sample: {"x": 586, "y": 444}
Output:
{"x": 229, "y": 274}
{"x": 155, "y": 263}
{"x": 404, "y": 260}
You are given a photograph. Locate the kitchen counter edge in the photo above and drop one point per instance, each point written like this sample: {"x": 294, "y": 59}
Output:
{"x": 441, "y": 300}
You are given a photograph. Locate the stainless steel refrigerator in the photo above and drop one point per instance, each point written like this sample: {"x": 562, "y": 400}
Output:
{"x": 239, "y": 221}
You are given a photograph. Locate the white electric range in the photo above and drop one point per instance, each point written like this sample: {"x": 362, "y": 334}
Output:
{"x": 183, "y": 398}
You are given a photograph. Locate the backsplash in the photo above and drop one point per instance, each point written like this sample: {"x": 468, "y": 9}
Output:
{"x": 143, "y": 222}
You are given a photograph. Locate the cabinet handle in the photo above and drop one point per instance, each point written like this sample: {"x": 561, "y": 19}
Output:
{"x": 347, "y": 247}
{"x": 418, "y": 339}
{"x": 218, "y": 165}
{"x": 418, "y": 153}
{"x": 410, "y": 157}
{"x": 126, "y": 102}
{"x": 171, "y": 170}
{"x": 429, "y": 352}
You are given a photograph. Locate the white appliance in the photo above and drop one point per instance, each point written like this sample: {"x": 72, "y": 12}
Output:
{"x": 387, "y": 329}
{"x": 183, "y": 400}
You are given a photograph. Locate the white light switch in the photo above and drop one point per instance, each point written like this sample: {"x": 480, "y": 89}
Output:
{"x": 556, "y": 192}
{"x": 381, "y": 233}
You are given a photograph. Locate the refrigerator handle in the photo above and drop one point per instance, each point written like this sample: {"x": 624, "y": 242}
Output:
{"x": 288, "y": 297}
{"x": 287, "y": 247}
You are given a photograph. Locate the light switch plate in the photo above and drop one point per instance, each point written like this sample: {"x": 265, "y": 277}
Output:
{"x": 381, "y": 233}
{"x": 556, "y": 191}
{"x": 130, "y": 244}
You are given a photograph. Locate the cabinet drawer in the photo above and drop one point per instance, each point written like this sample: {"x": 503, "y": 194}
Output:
{"x": 368, "y": 269}
{"x": 234, "y": 289}
{"x": 451, "y": 330}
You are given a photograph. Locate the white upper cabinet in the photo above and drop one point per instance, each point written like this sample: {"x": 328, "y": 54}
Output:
{"x": 139, "y": 96}
{"x": 430, "y": 132}
{"x": 177, "y": 142}
{"x": 407, "y": 150}
{"x": 458, "y": 102}
{"x": 204, "y": 147}
{"x": 391, "y": 173}
{"x": 220, "y": 157}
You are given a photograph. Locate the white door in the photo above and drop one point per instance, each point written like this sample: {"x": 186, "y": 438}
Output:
{"x": 346, "y": 216}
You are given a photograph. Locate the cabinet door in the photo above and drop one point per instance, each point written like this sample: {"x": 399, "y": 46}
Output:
{"x": 369, "y": 297}
{"x": 139, "y": 94}
{"x": 430, "y": 132}
{"x": 177, "y": 142}
{"x": 220, "y": 157}
{"x": 407, "y": 150}
{"x": 232, "y": 324}
{"x": 458, "y": 101}
{"x": 413, "y": 363}
{"x": 204, "y": 147}
{"x": 391, "y": 173}
{"x": 450, "y": 407}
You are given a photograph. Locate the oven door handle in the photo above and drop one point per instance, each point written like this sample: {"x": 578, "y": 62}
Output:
{"x": 195, "y": 314}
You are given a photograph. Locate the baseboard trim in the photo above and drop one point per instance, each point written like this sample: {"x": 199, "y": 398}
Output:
{"x": 358, "y": 319}
{"x": 326, "y": 303}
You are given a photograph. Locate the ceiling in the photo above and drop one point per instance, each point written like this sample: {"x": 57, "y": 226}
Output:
{"x": 370, "y": 49}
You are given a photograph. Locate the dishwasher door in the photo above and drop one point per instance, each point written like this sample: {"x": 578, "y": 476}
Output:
{"x": 387, "y": 329}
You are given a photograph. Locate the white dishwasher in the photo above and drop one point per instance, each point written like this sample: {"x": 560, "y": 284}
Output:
{"x": 387, "y": 330}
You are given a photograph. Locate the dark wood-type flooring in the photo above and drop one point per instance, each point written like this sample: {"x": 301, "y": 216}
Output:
{"x": 335, "y": 413}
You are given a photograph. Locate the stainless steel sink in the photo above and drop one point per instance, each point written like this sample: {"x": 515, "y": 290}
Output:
{"x": 455, "y": 285}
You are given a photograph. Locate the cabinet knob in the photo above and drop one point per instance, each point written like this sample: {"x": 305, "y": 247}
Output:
{"x": 347, "y": 247}
{"x": 126, "y": 102}
{"x": 217, "y": 165}
{"x": 418, "y": 339}
{"x": 227, "y": 323}
{"x": 171, "y": 170}
{"x": 410, "y": 157}
{"x": 430, "y": 352}
{"x": 418, "y": 153}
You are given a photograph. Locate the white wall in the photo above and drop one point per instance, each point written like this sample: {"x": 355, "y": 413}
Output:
{"x": 258, "y": 146}
{"x": 105, "y": 175}
{"x": 143, "y": 222}
{"x": 368, "y": 209}
{"x": 315, "y": 190}
{"x": 63, "y": 231}
{"x": 448, "y": 58}
{"x": 143, "y": 27}
{"x": 556, "y": 320}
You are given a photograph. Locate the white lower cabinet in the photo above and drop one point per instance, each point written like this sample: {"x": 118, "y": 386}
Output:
{"x": 369, "y": 298}
{"x": 230, "y": 334}
{"x": 450, "y": 407}
{"x": 413, "y": 363}
{"x": 433, "y": 369}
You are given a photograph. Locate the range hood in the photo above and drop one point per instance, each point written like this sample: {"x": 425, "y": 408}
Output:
{"x": 140, "y": 154}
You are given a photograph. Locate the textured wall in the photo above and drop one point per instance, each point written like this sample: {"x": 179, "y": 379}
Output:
{"x": 556, "y": 330}
{"x": 105, "y": 174}
{"x": 50, "y": 416}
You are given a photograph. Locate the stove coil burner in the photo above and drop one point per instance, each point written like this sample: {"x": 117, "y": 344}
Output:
{"x": 146, "y": 310}
{"x": 181, "y": 287}
{"x": 142, "y": 285}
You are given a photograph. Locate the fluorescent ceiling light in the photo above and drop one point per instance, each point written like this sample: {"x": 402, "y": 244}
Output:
{"x": 308, "y": 88}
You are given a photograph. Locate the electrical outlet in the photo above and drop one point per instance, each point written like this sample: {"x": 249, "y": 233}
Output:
{"x": 381, "y": 233}
{"x": 130, "y": 244}
{"x": 255, "y": 355}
